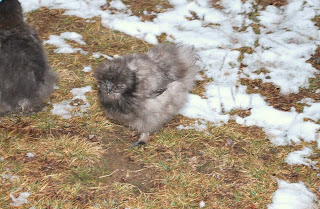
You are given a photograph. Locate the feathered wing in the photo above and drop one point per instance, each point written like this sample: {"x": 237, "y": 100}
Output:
{"x": 157, "y": 111}
{"x": 150, "y": 79}
{"x": 177, "y": 62}
{"x": 161, "y": 66}
{"x": 173, "y": 75}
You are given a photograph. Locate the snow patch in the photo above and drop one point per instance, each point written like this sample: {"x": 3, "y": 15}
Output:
{"x": 20, "y": 200}
{"x": 283, "y": 128}
{"x": 30, "y": 155}
{"x": 63, "y": 47}
{"x": 299, "y": 157}
{"x": 202, "y": 204}
{"x": 198, "y": 126}
{"x": 117, "y": 4}
{"x": 66, "y": 108}
{"x": 7, "y": 175}
{"x": 293, "y": 196}
{"x": 200, "y": 108}
{"x": 87, "y": 69}
{"x": 98, "y": 55}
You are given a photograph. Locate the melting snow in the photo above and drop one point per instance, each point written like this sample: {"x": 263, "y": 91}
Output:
{"x": 299, "y": 157}
{"x": 293, "y": 196}
{"x": 30, "y": 154}
{"x": 9, "y": 176}
{"x": 22, "y": 199}
{"x": 202, "y": 204}
{"x": 87, "y": 69}
{"x": 66, "y": 107}
{"x": 117, "y": 4}
{"x": 63, "y": 47}
{"x": 198, "y": 126}
{"x": 98, "y": 55}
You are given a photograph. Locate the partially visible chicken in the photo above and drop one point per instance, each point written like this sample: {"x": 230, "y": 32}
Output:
{"x": 26, "y": 79}
{"x": 147, "y": 90}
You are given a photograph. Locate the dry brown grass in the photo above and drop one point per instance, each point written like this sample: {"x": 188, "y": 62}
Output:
{"x": 262, "y": 3}
{"x": 83, "y": 162}
{"x": 276, "y": 3}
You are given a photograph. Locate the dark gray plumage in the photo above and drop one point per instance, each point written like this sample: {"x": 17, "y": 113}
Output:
{"x": 147, "y": 90}
{"x": 26, "y": 79}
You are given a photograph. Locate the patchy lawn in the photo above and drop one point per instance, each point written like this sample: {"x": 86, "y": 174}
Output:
{"x": 83, "y": 162}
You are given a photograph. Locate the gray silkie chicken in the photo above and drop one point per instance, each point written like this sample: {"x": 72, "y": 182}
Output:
{"x": 147, "y": 90}
{"x": 26, "y": 79}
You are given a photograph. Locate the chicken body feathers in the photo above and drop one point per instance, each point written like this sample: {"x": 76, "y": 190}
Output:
{"x": 26, "y": 78}
{"x": 156, "y": 86}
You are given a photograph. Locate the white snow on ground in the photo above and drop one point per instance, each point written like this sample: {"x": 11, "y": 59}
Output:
{"x": 117, "y": 4}
{"x": 98, "y": 55}
{"x": 299, "y": 157}
{"x": 202, "y": 204}
{"x": 283, "y": 128}
{"x": 7, "y": 175}
{"x": 20, "y": 200}
{"x": 285, "y": 46}
{"x": 87, "y": 69}
{"x": 199, "y": 125}
{"x": 63, "y": 109}
{"x": 312, "y": 112}
{"x": 63, "y": 47}
{"x": 293, "y": 196}
{"x": 79, "y": 101}
{"x": 286, "y": 41}
{"x": 30, "y": 155}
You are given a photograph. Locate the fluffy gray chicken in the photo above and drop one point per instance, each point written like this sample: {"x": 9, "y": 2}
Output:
{"x": 26, "y": 79}
{"x": 147, "y": 90}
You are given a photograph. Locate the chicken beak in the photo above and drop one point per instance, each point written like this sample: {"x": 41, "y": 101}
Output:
{"x": 108, "y": 87}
